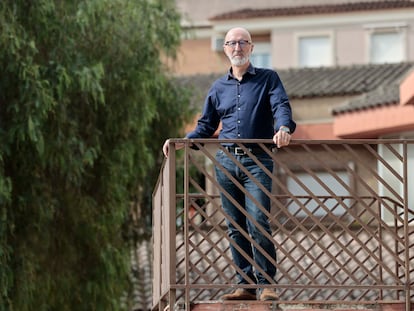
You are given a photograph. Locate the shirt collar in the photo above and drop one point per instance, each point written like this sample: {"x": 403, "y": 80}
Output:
{"x": 251, "y": 70}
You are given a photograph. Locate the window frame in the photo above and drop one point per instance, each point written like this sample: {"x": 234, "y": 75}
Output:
{"x": 305, "y": 35}
{"x": 385, "y": 28}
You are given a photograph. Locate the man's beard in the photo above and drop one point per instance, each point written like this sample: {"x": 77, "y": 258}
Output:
{"x": 239, "y": 61}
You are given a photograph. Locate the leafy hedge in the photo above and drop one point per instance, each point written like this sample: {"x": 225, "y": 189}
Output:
{"x": 82, "y": 90}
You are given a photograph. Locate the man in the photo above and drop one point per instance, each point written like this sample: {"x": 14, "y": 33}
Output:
{"x": 251, "y": 103}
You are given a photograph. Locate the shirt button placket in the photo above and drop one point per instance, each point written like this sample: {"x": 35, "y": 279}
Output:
{"x": 238, "y": 110}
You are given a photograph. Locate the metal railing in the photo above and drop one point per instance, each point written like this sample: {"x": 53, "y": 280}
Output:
{"x": 341, "y": 223}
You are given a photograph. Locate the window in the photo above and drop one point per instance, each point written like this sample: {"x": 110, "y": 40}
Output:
{"x": 314, "y": 51}
{"x": 261, "y": 55}
{"x": 217, "y": 44}
{"x": 386, "y": 47}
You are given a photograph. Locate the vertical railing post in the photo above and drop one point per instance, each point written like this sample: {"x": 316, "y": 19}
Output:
{"x": 382, "y": 239}
{"x": 156, "y": 243}
{"x": 170, "y": 224}
{"x": 406, "y": 229}
{"x": 186, "y": 226}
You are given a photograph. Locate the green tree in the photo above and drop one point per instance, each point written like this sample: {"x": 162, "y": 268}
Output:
{"x": 82, "y": 92}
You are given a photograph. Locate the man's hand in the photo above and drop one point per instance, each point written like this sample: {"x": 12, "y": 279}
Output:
{"x": 165, "y": 148}
{"x": 282, "y": 137}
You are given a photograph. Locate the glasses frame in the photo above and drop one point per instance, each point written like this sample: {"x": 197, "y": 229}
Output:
{"x": 241, "y": 43}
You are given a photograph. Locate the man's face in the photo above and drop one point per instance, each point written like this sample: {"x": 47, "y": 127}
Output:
{"x": 238, "y": 47}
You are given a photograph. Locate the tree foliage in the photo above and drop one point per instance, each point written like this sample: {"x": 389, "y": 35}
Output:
{"x": 82, "y": 95}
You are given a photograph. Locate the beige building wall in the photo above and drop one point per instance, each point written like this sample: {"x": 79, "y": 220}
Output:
{"x": 196, "y": 56}
{"x": 349, "y": 31}
{"x": 304, "y": 109}
{"x": 345, "y": 38}
{"x": 282, "y": 56}
{"x": 350, "y": 35}
{"x": 410, "y": 39}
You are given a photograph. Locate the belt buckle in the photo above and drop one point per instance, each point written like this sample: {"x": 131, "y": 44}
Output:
{"x": 239, "y": 151}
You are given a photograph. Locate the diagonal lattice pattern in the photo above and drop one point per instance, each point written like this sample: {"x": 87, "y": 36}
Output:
{"x": 342, "y": 225}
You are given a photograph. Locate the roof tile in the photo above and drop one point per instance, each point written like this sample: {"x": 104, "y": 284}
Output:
{"x": 314, "y": 9}
{"x": 377, "y": 84}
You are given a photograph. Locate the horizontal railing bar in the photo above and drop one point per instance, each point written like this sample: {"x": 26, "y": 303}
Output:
{"x": 293, "y": 141}
{"x": 200, "y": 195}
{"x": 286, "y": 286}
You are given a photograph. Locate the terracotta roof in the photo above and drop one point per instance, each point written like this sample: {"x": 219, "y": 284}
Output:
{"x": 340, "y": 81}
{"x": 382, "y": 96}
{"x": 314, "y": 9}
{"x": 377, "y": 84}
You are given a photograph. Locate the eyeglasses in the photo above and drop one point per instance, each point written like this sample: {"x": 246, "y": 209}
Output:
{"x": 242, "y": 43}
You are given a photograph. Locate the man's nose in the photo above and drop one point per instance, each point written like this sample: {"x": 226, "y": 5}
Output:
{"x": 238, "y": 46}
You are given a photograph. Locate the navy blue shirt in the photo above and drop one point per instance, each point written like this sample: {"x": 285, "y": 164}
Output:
{"x": 253, "y": 108}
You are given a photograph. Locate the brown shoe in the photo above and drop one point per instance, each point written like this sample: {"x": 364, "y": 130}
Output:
{"x": 239, "y": 294}
{"x": 268, "y": 294}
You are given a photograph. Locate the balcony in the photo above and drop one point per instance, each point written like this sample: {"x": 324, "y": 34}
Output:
{"x": 342, "y": 222}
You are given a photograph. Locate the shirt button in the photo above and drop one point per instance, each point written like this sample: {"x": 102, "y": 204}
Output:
{"x": 238, "y": 121}
{"x": 238, "y": 135}
{"x": 238, "y": 108}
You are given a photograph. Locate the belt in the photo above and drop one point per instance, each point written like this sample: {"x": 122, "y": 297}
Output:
{"x": 240, "y": 151}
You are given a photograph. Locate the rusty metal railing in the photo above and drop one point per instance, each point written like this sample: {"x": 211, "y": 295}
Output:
{"x": 342, "y": 222}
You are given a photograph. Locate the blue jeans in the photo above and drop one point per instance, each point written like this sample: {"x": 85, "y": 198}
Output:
{"x": 252, "y": 209}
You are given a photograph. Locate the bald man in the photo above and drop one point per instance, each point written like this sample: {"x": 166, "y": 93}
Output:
{"x": 250, "y": 103}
